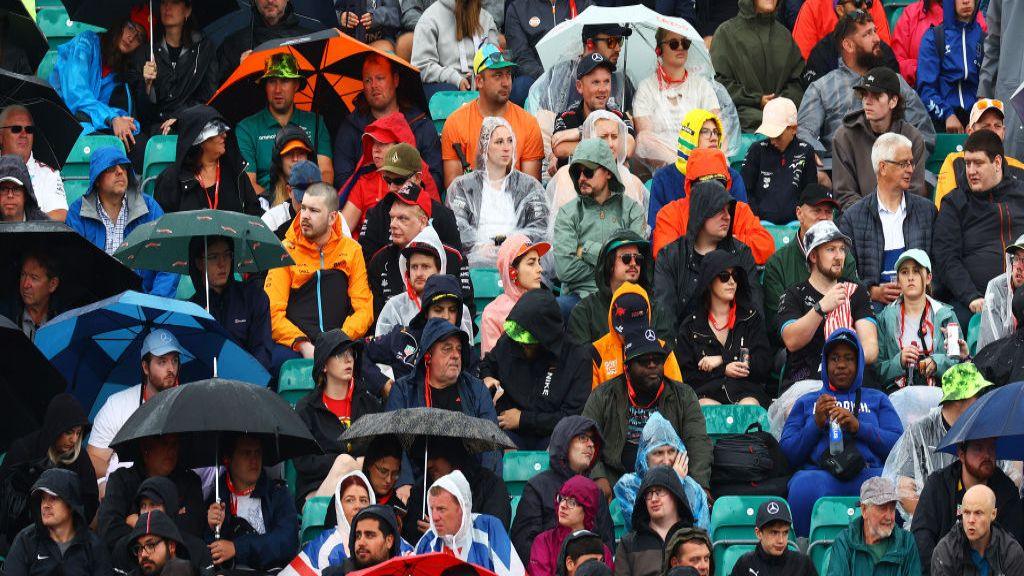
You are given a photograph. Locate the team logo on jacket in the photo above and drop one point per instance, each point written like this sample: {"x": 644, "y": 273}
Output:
{"x": 534, "y": 22}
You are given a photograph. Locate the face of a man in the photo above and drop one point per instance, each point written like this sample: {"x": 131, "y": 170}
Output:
{"x": 710, "y": 136}
{"x": 35, "y": 285}
{"x": 828, "y": 259}
{"x": 880, "y": 520}
{"x": 446, "y": 513}
{"x": 977, "y": 512}
{"x": 12, "y": 202}
{"x": 867, "y": 44}
{"x": 383, "y": 474}
{"x": 627, "y": 264}
{"x": 147, "y": 505}
{"x": 841, "y": 364}
{"x": 372, "y": 546}
{"x": 662, "y": 456}
{"x": 447, "y": 310}
{"x": 406, "y": 222}
{"x": 878, "y": 106}
{"x": 246, "y": 463}
{"x": 152, "y": 554}
{"x": 314, "y": 217}
{"x": 162, "y": 371}
{"x": 421, "y": 267}
{"x": 717, "y": 227}
{"x": 581, "y": 452}
{"x": 897, "y": 172}
{"x": 645, "y": 371}
{"x": 990, "y": 120}
{"x": 17, "y": 143}
{"x": 280, "y": 93}
{"x": 113, "y": 180}
{"x": 53, "y": 511}
{"x": 1017, "y": 268}
{"x": 446, "y": 359}
{"x": 495, "y": 86}
{"x": 694, "y": 554}
{"x": 809, "y": 215}
{"x": 979, "y": 459}
{"x": 982, "y": 173}
{"x": 595, "y": 88}
{"x": 608, "y": 46}
{"x": 593, "y": 181}
{"x": 608, "y": 131}
{"x": 774, "y": 537}
{"x": 217, "y": 264}
{"x": 160, "y": 454}
{"x": 964, "y": 10}
{"x": 660, "y": 504}
{"x": 571, "y": 565}
{"x": 272, "y": 10}
{"x": 379, "y": 83}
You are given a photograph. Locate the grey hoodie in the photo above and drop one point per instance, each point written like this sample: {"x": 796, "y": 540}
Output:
{"x": 435, "y": 50}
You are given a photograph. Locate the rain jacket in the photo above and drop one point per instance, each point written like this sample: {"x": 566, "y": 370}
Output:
{"x": 178, "y": 189}
{"x": 587, "y": 224}
{"x": 657, "y": 433}
{"x": 537, "y": 508}
{"x": 547, "y": 547}
{"x": 790, "y": 563}
{"x": 672, "y": 219}
{"x": 481, "y": 539}
{"x": 697, "y": 340}
{"x": 492, "y": 323}
{"x": 817, "y": 19}
{"x": 83, "y": 216}
{"x": 853, "y": 175}
{"x": 376, "y": 231}
{"x": 803, "y": 442}
{"x": 526, "y": 22}
{"x": 1000, "y": 77}
{"x": 775, "y": 179}
{"x": 640, "y": 551}
{"x": 669, "y": 182}
{"x": 551, "y": 386}
{"x": 298, "y": 308}
{"x": 34, "y": 553}
{"x": 939, "y": 506}
{"x": 678, "y": 269}
{"x": 915, "y": 20}
{"x": 947, "y": 78}
{"x": 755, "y": 55}
{"x": 272, "y": 549}
{"x": 186, "y": 81}
{"x": 891, "y": 371}
{"x": 606, "y": 351}
{"x": 953, "y": 555}
{"x": 78, "y": 78}
{"x": 159, "y": 524}
{"x": 1002, "y": 361}
{"x": 256, "y": 31}
{"x": 436, "y": 52}
{"x": 387, "y": 18}
{"x": 852, "y": 557}
{"x": 13, "y": 166}
{"x": 997, "y": 319}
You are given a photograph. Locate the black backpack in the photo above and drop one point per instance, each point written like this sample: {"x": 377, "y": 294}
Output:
{"x": 749, "y": 464}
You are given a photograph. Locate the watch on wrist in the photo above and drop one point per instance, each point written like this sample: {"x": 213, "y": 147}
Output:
{"x": 817, "y": 308}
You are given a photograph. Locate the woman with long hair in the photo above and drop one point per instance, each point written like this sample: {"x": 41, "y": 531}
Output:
{"x": 447, "y": 37}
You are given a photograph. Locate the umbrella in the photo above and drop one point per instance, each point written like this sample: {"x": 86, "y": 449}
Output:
{"x": 56, "y": 129}
{"x": 27, "y": 384}
{"x": 97, "y": 347}
{"x": 409, "y": 424}
{"x": 423, "y": 565}
{"x": 998, "y": 414}
{"x": 89, "y": 274}
{"x": 22, "y": 31}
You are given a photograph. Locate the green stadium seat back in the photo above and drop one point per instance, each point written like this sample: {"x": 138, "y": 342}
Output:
{"x": 830, "y": 516}
{"x": 442, "y": 104}
{"x": 291, "y": 475}
{"x": 515, "y": 505}
{"x": 731, "y": 555}
{"x": 781, "y": 233}
{"x": 746, "y": 141}
{"x": 295, "y": 380}
{"x": 621, "y": 522}
{"x": 732, "y": 522}
{"x": 973, "y": 331}
{"x": 160, "y": 153}
{"x": 648, "y": 184}
{"x": 823, "y": 566}
{"x": 46, "y": 65}
{"x": 486, "y": 286}
{"x": 519, "y": 466}
{"x": 58, "y": 28}
{"x": 313, "y": 517}
{"x": 75, "y": 189}
{"x": 894, "y": 13}
{"x": 76, "y": 167}
{"x": 186, "y": 289}
{"x": 945, "y": 144}
{"x": 733, "y": 419}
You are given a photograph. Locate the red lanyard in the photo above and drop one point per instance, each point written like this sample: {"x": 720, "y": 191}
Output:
{"x": 216, "y": 189}
{"x": 925, "y": 327}
{"x": 235, "y": 493}
{"x": 632, "y": 394}
{"x": 665, "y": 81}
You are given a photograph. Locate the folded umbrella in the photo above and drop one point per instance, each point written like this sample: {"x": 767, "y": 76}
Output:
{"x": 56, "y": 129}
{"x": 431, "y": 564}
{"x": 998, "y": 414}
{"x": 27, "y": 384}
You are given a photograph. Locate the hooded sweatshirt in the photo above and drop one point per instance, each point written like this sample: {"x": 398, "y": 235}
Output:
{"x": 640, "y": 552}
{"x": 492, "y": 323}
{"x": 758, "y": 56}
{"x": 544, "y": 553}
{"x": 947, "y": 76}
{"x": 669, "y": 182}
{"x": 954, "y": 555}
{"x": 803, "y": 442}
{"x": 677, "y": 271}
{"x": 12, "y": 166}
{"x": 481, "y": 540}
{"x": 436, "y": 52}
{"x": 486, "y": 215}
{"x": 997, "y": 321}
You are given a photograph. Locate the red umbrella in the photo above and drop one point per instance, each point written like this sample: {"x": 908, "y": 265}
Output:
{"x": 431, "y": 564}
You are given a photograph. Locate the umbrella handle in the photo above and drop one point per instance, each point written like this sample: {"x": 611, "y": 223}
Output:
{"x": 426, "y": 446}
{"x": 151, "y": 56}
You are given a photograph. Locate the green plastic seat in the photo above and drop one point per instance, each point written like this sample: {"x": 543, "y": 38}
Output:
{"x": 291, "y": 476}
{"x": 621, "y": 522}
{"x": 515, "y": 505}
{"x": 76, "y": 167}
{"x": 75, "y": 189}
{"x": 733, "y": 419}
{"x": 945, "y": 144}
{"x": 486, "y": 286}
{"x": 295, "y": 380}
{"x": 894, "y": 11}
{"x": 973, "y": 331}
{"x": 648, "y": 184}
{"x": 442, "y": 104}
{"x": 782, "y": 233}
{"x": 314, "y": 514}
{"x": 732, "y": 522}
{"x": 46, "y": 65}
{"x": 731, "y": 555}
{"x": 519, "y": 466}
{"x": 58, "y": 28}
{"x": 746, "y": 141}
{"x": 830, "y": 516}
{"x": 160, "y": 153}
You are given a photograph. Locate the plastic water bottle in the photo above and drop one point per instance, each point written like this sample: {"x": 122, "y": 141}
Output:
{"x": 835, "y": 437}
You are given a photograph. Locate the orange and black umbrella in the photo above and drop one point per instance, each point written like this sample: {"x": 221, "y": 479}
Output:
{"x": 332, "y": 63}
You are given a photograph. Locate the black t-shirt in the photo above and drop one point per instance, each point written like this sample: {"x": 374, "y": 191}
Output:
{"x": 800, "y": 298}
{"x": 447, "y": 398}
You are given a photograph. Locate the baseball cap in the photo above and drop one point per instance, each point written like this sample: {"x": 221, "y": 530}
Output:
{"x": 591, "y": 31}
{"x": 1018, "y": 245}
{"x": 815, "y": 194}
{"x": 402, "y": 159}
{"x": 917, "y": 255}
{"x": 961, "y": 382}
{"x": 541, "y": 248}
{"x": 282, "y": 65}
{"x": 490, "y": 57}
{"x": 214, "y": 127}
{"x": 772, "y": 511}
{"x": 779, "y": 114}
{"x": 304, "y": 174}
{"x": 12, "y": 179}
{"x": 160, "y": 342}
{"x": 421, "y": 248}
{"x": 878, "y": 80}
{"x": 589, "y": 62}
{"x": 413, "y": 194}
{"x": 984, "y": 105}
{"x": 878, "y": 491}
{"x": 641, "y": 343}
{"x": 295, "y": 145}
{"x": 683, "y": 571}
{"x": 822, "y": 233}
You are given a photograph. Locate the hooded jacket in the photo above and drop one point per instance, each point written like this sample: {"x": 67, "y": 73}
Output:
{"x": 757, "y": 57}
{"x": 697, "y": 340}
{"x": 669, "y": 182}
{"x": 891, "y": 371}
{"x": 546, "y": 548}
{"x": 1002, "y": 361}
{"x": 527, "y": 22}
{"x": 997, "y": 321}
{"x": 466, "y": 197}
{"x": 953, "y": 554}
{"x": 947, "y": 76}
{"x": 83, "y": 216}
{"x": 438, "y": 55}
{"x": 803, "y": 442}
{"x": 640, "y": 551}
{"x": 677, "y": 270}
{"x": 13, "y": 166}
{"x": 492, "y": 322}
{"x": 481, "y": 539}
{"x": 537, "y": 508}
{"x": 790, "y": 563}
{"x": 817, "y": 19}
{"x": 376, "y": 231}
{"x": 298, "y": 309}
{"x": 78, "y": 79}
{"x": 157, "y": 523}
{"x": 275, "y": 547}
{"x": 852, "y": 556}
{"x": 853, "y": 175}
{"x": 775, "y": 179}
{"x": 188, "y": 80}
{"x": 386, "y": 515}
{"x": 550, "y": 386}
{"x": 179, "y": 189}
{"x": 34, "y": 553}
{"x": 656, "y": 434}
{"x": 256, "y": 31}
{"x": 680, "y": 536}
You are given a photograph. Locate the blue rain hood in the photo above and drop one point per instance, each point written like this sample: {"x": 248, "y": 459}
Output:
{"x": 847, "y": 336}
{"x": 106, "y": 158}
{"x": 439, "y": 329}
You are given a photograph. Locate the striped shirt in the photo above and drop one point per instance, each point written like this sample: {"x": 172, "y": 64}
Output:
{"x": 115, "y": 229}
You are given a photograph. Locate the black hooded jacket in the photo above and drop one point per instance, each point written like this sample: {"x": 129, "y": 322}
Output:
{"x": 386, "y": 516}
{"x": 187, "y": 81}
{"x": 791, "y": 563}
{"x": 256, "y": 32}
{"x": 536, "y": 512}
{"x": 641, "y": 549}
{"x": 677, "y": 271}
{"x": 178, "y": 189}
{"x": 555, "y": 383}
{"x": 13, "y": 166}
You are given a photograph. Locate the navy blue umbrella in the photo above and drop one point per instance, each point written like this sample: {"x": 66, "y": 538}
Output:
{"x": 97, "y": 347}
{"x": 998, "y": 414}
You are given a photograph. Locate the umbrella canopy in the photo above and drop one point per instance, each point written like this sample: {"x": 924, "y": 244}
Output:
{"x": 97, "y": 347}
{"x": 423, "y": 565}
{"x": 409, "y": 424}
{"x": 27, "y": 384}
{"x": 22, "y": 31}
{"x": 998, "y": 414}
{"x": 201, "y": 413}
{"x": 56, "y": 129}
{"x": 107, "y": 13}
{"x": 88, "y": 273}
{"x": 163, "y": 244}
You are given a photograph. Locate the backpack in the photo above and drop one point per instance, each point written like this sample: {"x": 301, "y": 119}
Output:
{"x": 749, "y": 464}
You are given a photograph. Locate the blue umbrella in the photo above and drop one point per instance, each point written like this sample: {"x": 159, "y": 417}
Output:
{"x": 998, "y": 414}
{"x": 96, "y": 347}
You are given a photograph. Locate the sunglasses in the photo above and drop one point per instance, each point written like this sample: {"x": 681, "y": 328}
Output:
{"x": 650, "y": 360}
{"x": 631, "y": 257}
{"x": 493, "y": 58}
{"x": 612, "y": 42}
{"x": 676, "y": 43}
{"x": 19, "y": 128}
{"x": 725, "y": 275}
{"x": 587, "y": 172}
{"x": 860, "y": 3}
{"x": 395, "y": 181}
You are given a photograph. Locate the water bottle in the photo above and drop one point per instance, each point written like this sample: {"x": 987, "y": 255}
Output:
{"x": 835, "y": 437}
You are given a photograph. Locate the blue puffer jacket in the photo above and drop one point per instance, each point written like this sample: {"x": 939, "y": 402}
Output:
{"x": 950, "y": 81}
{"x": 84, "y": 218}
{"x": 803, "y": 442}
{"x": 78, "y": 78}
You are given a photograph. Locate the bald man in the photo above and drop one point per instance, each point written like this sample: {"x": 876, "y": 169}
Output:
{"x": 977, "y": 545}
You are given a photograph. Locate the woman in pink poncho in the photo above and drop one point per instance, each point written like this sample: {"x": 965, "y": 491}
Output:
{"x": 520, "y": 270}
{"x": 576, "y": 507}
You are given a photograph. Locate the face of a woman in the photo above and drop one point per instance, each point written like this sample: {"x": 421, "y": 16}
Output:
{"x": 499, "y": 150}
{"x": 214, "y": 147}
{"x": 913, "y": 279}
{"x": 291, "y": 159}
{"x": 570, "y": 513}
{"x": 131, "y": 38}
{"x": 174, "y": 12}
{"x": 724, "y": 288}
{"x": 354, "y": 499}
{"x": 529, "y": 270}
{"x": 675, "y": 59}
{"x": 340, "y": 366}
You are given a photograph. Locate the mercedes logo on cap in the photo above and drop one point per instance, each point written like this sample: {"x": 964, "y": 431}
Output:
{"x": 773, "y": 507}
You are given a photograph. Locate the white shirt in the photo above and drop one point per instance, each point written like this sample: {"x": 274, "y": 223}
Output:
{"x": 47, "y": 185}
{"x": 250, "y": 510}
{"x": 497, "y": 214}
{"x": 892, "y": 224}
{"x": 667, "y": 108}
{"x": 114, "y": 413}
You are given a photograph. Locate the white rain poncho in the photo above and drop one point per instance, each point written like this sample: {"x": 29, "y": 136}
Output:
{"x": 997, "y": 315}
{"x": 779, "y": 410}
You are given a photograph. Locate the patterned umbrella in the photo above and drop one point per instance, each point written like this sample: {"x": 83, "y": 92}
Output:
{"x": 408, "y": 425}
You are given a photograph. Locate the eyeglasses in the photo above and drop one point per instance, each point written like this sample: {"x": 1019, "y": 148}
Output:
{"x": 219, "y": 256}
{"x": 711, "y": 132}
{"x": 630, "y": 257}
{"x": 19, "y": 128}
{"x": 725, "y": 276}
{"x": 395, "y": 181}
{"x": 860, "y": 3}
{"x": 386, "y": 473}
{"x": 676, "y": 43}
{"x": 11, "y": 190}
{"x": 148, "y": 547}
{"x": 612, "y": 42}
{"x": 656, "y": 492}
{"x": 904, "y": 165}
{"x": 569, "y": 501}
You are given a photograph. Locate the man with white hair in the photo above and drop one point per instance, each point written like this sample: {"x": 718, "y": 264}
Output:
{"x": 873, "y": 544}
{"x": 888, "y": 221}
{"x": 977, "y": 545}
{"x": 479, "y": 539}
{"x": 17, "y": 136}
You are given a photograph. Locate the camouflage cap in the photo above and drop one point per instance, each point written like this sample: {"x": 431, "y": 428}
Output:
{"x": 961, "y": 382}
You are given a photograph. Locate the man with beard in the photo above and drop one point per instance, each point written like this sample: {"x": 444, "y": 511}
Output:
{"x": 271, "y": 19}
{"x": 874, "y": 545}
{"x": 941, "y": 500}
{"x": 594, "y": 83}
{"x": 154, "y": 544}
{"x": 997, "y": 314}
{"x": 978, "y": 545}
{"x": 810, "y": 311}
{"x": 823, "y": 106}
{"x": 374, "y": 540}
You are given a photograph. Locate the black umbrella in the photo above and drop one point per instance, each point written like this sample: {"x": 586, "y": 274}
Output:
{"x": 107, "y": 13}
{"x": 56, "y": 129}
{"x": 88, "y": 273}
{"x": 27, "y": 384}
{"x": 410, "y": 424}
{"x": 18, "y": 29}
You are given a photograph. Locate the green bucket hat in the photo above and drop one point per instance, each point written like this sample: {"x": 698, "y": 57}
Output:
{"x": 282, "y": 65}
{"x": 961, "y": 382}
{"x": 519, "y": 334}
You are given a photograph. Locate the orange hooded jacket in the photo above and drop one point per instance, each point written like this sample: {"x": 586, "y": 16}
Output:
{"x": 817, "y": 19}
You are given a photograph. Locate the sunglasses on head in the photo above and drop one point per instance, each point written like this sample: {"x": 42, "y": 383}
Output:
{"x": 19, "y": 128}
{"x": 725, "y": 275}
{"x": 676, "y": 43}
{"x": 395, "y": 180}
{"x": 493, "y": 58}
{"x": 630, "y": 257}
